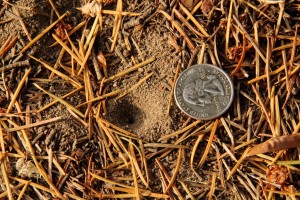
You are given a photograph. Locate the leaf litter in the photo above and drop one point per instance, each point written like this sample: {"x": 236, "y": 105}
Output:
{"x": 87, "y": 107}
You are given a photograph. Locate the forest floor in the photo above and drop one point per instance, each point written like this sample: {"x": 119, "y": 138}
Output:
{"x": 87, "y": 108}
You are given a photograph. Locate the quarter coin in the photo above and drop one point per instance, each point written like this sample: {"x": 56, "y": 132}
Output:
{"x": 204, "y": 91}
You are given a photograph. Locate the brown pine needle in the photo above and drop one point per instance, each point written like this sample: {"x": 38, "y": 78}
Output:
{"x": 117, "y": 25}
{"x": 133, "y": 68}
{"x": 278, "y": 70}
{"x": 135, "y": 162}
{"x": 228, "y": 26}
{"x": 287, "y": 46}
{"x": 239, "y": 65}
{"x": 108, "y": 124}
{"x": 4, "y": 45}
{"x": 16, "y": 94}
{"x": 167, "y": 176}
{"x": 23, "y": 191}
{"x": 114, "y": 143}
{"x": 267, "y": 70}
{"x": 69, "y": 106}
{"x": 212, "y": 186}
{"x": 172, "y": 90}
{"x": 180, "y": 30}
{"x": 99, "y": 98}
{"x": 8, "y": 45}
{"x": 171, "y": 146}
{"x": 32, "y": 125}
{"x": 63, "y": 44}
{"x": 63, "y": 76}
{"x": 209, "y": 142}
{"x": 238, "y": 164}
{"x": 22, "y": 23}
{"x": 43, "y": 33}
{"x": 55, "y": 101}
{"x": 80, "y": 25}
{"x": 113, "y": 12}
{"x": 5, "y": 193}
{"x": 41, "y": 187}
{"x": 145, "y": 193}
{"x": 195, "y": 147}
{"x": 264, "y": 109}
{"x": 105, "y": 180}
{"x": 191, "y": 17}
{"x": 180, "y": 131}
{"x": 6, "y": 180}
{"x": 38, "y": 165}
{"x": 250, "y": 39}
{"x": 256, "y": 9}
{"x": 135, "y": 86}
{"x": 88, "y": 53}
{"x": 135, "y": 181}
{"x": 176, "y": 170}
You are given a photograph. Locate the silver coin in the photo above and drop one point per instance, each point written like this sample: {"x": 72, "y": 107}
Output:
{"x": 203, "y": 91}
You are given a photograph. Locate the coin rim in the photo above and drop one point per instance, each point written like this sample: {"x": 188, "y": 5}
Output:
{"x": 217, "y": 68}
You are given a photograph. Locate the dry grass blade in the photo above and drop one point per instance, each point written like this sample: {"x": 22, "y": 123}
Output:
{"x": 34, "y": 40}
{"x": 209, "y": 142}
{"x": 113, "y": 12}
{"x": 276, "y": 144}
{"x": 4, "y": 45}
{"x": 268, "y": 66}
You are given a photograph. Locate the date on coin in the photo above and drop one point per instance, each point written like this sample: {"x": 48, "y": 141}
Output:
{"x": 204, "y": 91}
